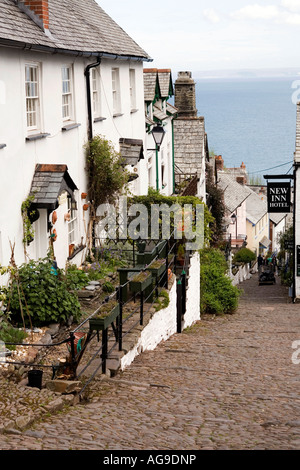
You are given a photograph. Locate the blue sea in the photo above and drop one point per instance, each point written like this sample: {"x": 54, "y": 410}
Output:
{"x": 251, "y": 121}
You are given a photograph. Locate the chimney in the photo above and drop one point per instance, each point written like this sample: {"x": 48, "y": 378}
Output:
{"x": 241, "y": 180}
{"x": 219, "y": 163}
{"x": 37, "y": 10}
{"x": 185, "y": 95}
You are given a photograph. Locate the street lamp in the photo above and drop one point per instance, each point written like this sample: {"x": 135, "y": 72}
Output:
{"x": 158, "y": 134}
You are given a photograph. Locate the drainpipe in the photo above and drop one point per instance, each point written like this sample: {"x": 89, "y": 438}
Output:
{"x": 89, "y": 98}
{"x": 173, "y": 157}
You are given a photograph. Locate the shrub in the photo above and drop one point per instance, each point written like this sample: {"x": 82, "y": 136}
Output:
{"x": 75, "y": 278}
{"x": 244, "y": 255}
{"x": 9, "y": 334}
{"x": 43, "y": 293}
{"x": 218, "y": 295}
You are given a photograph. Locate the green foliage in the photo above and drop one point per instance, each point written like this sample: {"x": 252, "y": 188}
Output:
{"x": 44, "y": 295}
{"x": 162, "y": 301}
{"x": 28, "y": 232}
{"x": 244, "y": 255}
{"x": 75, "y": 278}
{"x": 9, "y": 334}
{"x": 155, "y": 198}
{"x": 107, "y": 176}
{"x": 218, "y": 295}
{"x": 215, "y": 202}
{"x": 108, "y": 287}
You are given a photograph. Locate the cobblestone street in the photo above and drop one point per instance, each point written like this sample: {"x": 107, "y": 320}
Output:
{"x": 226, "y": 383}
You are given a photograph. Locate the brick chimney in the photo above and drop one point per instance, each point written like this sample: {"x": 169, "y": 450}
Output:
{"x": 219, "y": 163}
{"x": 39, "y": 10}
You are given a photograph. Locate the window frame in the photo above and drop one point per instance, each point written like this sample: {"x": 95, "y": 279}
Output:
{"x": 96, "y": 91}
{"x": 69, "y": 93}
{"x": 116, "y": 91}
{"x": 73, "y": 222}
{"x": 132, "y": 88}
{"x": 34, "y": 98}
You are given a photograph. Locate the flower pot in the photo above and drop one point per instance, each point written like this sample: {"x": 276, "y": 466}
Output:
{"x": 83, "y": 195}
{"x": 140, "y": 282}
{"x": 67, "y": 217}
{"x": 71, "y": 249}
{"x": 54, "y": 217}
{"x": 102, "y": 321}
{"x": 85, "y": 207}
{"x": 35, "y": 378}
{"x": 157, "y": 267}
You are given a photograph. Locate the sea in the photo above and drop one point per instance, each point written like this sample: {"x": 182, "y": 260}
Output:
{"x": 251, "y": 121}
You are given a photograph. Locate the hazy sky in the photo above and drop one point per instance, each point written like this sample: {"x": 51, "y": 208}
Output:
{"x": 201, "y": 35}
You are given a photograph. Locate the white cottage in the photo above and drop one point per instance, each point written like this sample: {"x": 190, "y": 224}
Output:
{"x": 67, "y": 72}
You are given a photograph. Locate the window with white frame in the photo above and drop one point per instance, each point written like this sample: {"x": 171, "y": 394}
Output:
{"x": 32, "y": 91}
{"x": 67, "y": 92}
{"x": 96, "y": 92}
{"x": 116, "y": 91}
{"x": 132, "y": 89}
{"x": 73, "y": 222}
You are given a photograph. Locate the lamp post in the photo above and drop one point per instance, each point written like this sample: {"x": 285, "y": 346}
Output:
{"x": 158, "y": 134}
{"x": 234, "y": 221}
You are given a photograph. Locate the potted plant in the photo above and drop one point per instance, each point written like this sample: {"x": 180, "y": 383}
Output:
{"x": 140, "y": 281}
{"x": 181, "y": 254}
{"x": 105, "y": 315}
{"x": 158, "y": 266}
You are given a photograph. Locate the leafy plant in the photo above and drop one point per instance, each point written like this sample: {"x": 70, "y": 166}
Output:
{"x": 244, "y": 255}
{"x": 28, "y": 231}
{"x": 9, "y": 334}
{"x": 46, "y": 295}
{"x": 75, "y": 278}
{"x": 218, "y": 295}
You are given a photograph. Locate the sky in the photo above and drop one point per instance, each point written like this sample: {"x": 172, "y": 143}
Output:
{"x": 202, "y": 35}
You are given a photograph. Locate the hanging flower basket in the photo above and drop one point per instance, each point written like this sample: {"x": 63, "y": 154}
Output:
{"x": 140, "y": 281}
{"x": 106, "y": 315}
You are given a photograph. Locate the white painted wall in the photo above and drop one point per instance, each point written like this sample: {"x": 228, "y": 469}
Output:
{"x": 18, "y": 158}
{"x": 163, "y": 324}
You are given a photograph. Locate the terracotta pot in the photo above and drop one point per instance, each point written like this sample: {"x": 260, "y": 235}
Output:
{"x": 85, "y": 207}
{"x": 54, "y": 217}
{"x": 67, "y": 216}
{"x": 71, "y": 249}
{"x": 83, "y": 195}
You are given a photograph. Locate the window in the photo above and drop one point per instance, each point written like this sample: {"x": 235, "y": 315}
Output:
{"x": 116, "y": 91}
{"x": 132, "y": 89}
{"x": 72, "y": 223}
{"x": 96, "y": 92}
{"x": 67, "y": 98}
{"x": 32, "y": 97}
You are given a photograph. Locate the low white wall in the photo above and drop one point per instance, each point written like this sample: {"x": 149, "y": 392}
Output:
{"x": 243, "y": 274}
{"x": 163, "y": 324}
{"x": 192, "y": 313}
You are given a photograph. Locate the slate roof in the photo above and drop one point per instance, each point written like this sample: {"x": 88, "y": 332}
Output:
{"x": 76, "y": 26}
{"x": 48, "y": 182}
{"x": 131, "y": 150}
{"x": 234, "y": 193}
{"x": 277, "y": 217}
{"x": 189, "y": 138}
{"x": 157, "y": 80}
{"x": 256, "y": 207}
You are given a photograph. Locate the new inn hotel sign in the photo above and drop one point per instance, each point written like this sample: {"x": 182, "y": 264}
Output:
{"x": 279, "y": 197}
